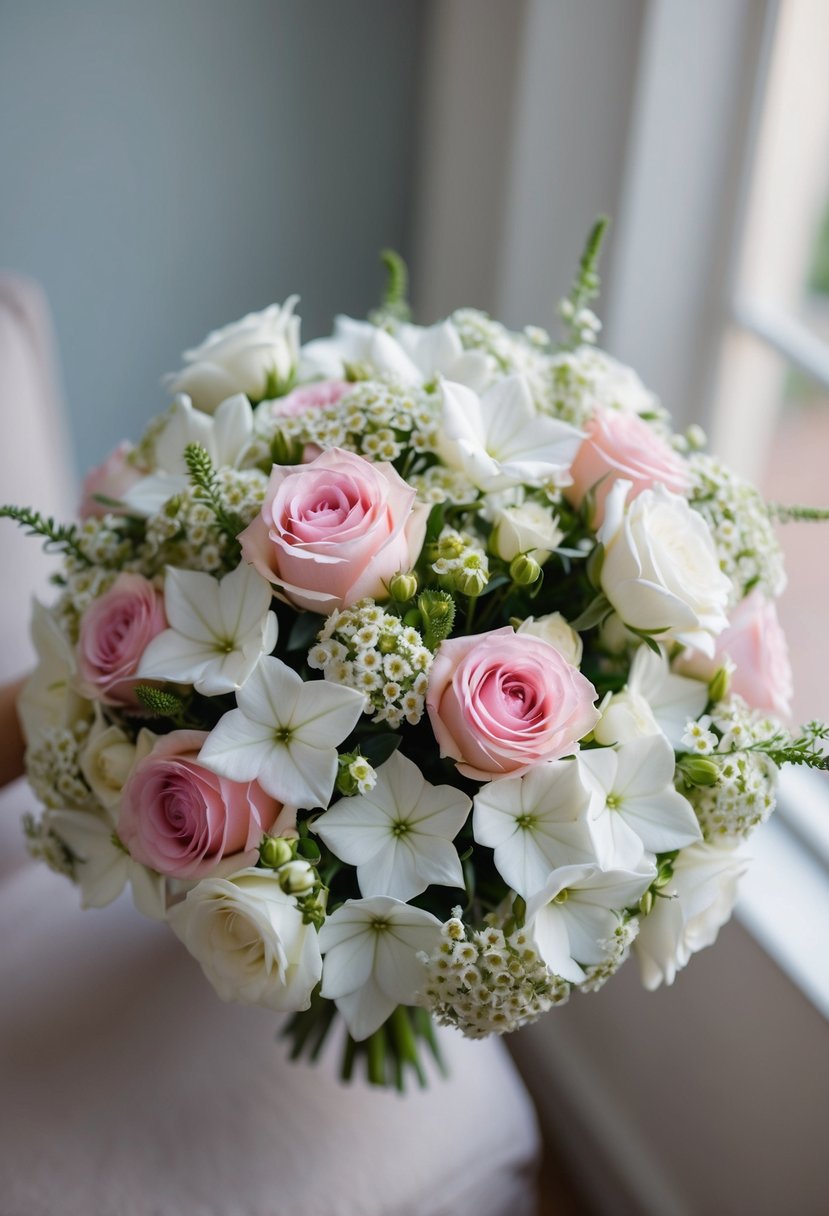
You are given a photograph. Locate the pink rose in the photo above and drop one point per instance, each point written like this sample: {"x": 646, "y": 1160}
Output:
{"x": 500, "y": 702}
{"x": 115, "y": 631}
{"x": 111, "y": 479}
{"x": 334, "y": 531}
{"x": 755, "y": 644}
{"x": 316, "y": 396}
{"x": 186, "y": 822}
{"x": 622, "y": 445}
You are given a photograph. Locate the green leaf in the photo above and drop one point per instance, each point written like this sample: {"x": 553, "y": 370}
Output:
{"x": 593, "y": 615}
{"x": 159, "y": 701}
{"x": 377, "y": 749}
{"x": 304, "y": 631}
{"x": 56, "y": 536}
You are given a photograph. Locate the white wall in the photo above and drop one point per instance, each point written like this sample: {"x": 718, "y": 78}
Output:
{"x": 171, "y": 164}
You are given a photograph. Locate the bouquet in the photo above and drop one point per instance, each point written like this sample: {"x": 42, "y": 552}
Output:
{"x": 412, "y": 675}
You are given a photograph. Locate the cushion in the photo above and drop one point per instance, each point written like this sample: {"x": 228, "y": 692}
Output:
{"x": 127, "y": 1088}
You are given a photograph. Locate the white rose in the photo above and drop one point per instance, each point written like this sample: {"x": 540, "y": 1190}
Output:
{"x": 251, "y": 356}
{"x": 530, "y": 528}
{"x": 625, "y": 716}
{"x": 660, "y": 569}
{"x": 108, "y": 758}
{"x": 250, "y": 939}
{"x": 554, "y": 630}
{"x": 700, "y": 899}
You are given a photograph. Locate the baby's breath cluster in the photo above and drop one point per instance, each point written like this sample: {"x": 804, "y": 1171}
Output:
{"x": 740, "y": 525}
{"x": 743, "y": 794}
{"x": 369, "y": 649}
{"x": 54, "y": 771}
{"x": 185, "y": 532}
{"x": 488, "y": 982}
{"x": 44, "y": 845}
{"x": 576, "y": 381}
{"x": 506, "y": 351}
{"x": 81, "y": 584}
{"x": 617, "y": 949}
{"x": 460, "y": 561}
{"x": 379, "y": 419}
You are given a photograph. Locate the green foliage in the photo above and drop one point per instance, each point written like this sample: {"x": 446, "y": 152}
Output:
{"x": 60, "y": 537}
{"x": 208, "y": 490}
{"x": 788, "y": 514}
{"x": 586, "y": 284}
{"x": 160, "y": 702}
{"x": 395, "y": 305}
{"x": 806, "y": 749}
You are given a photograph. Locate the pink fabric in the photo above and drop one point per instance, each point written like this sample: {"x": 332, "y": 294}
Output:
{"x": 128, "y": 1089}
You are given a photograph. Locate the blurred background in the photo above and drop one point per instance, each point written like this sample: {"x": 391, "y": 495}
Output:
{"x": 170, "y": 165}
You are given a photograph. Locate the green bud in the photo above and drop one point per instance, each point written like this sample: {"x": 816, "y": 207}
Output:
{"x": 646, "y": 903}
{"x": 403, "y": 587}
{"x": 699, "y": 770}
{"x": 437, "y": 610}
{"x": 718, "y": 687}
{"x": 387, "y": 643}
{"x": 357, "y": 371}
{"x": 275, "y": 851}
{"x": 519, "y": 912}
{"x": 524, "y": 570}
{"x": 346, "y": 783}
{"x": 470, "y": 582}
{"x": 297, "y": 877}
{"x": 285, "y": 450}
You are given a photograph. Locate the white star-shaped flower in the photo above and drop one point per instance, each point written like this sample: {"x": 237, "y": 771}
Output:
{"x": 399, "y": 833}
{"x": 574, "y": 917}
{"x": 371, "y": 966}
{"x": 103, "y": 868}
{"x": 226, "y": 437}
{"x": 637, "y": 807}
{"x": 413, "y": 354}
{"x": 535, "y": 823}
{"x": 284, "y": 734}
{"x": 219, "y": 630}
{"x": 500, "y": 439}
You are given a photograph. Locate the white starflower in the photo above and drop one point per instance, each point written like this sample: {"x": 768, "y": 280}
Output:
{"x": 102, "y": 868}
{"x": 48, "y": 698}
{"x": 284, "y": 734}
{"x": 219, "y": 630}
{"x": 637, "y": 807}
{"x": 535, "y": 823}
{"x": 399, "y": 833}
{"x": 573, "y": 919}
{"x": 226, "y": 436}
{"x": 500, "y": 440}
{"x": 371, "y": 966}
{"x": 413, "y": 355}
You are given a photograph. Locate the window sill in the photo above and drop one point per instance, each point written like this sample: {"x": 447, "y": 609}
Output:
{"x": 784, "y": 896}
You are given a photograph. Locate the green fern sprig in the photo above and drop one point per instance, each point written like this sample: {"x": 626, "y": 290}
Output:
{"x": 63, "y": 537}
{"x": 789, "y": 514}
{"x": 206, "y": 483}
{"x": 806, "y": 749}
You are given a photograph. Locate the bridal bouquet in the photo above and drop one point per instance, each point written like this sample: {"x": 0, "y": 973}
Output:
{"x": 412, "y": 674}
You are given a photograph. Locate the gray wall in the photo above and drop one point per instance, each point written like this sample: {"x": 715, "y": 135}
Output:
{"x": 168, "y": 165}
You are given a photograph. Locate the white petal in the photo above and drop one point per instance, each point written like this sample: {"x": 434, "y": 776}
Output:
{"x": 148, "y": 892}
{"x": 172, "y": 656}
{"x": 271, "y": 693}
{"x": 550, "y": 932}
{"x": 396, "y": 967}
{"x": 298, "y": 774}
{"x": 232, "y": 430}
{"x": 348, "y": 965}
{"x": 148, "y": 496}
{"x": 325, "y": 713}
{"x": 392, "y": 871}
{"x": 238, "y": 748}
{"x": 587, "y": 927}
{"x": 365, "y": 1010}
{"x": 244, "y": 599}
{"x": 663, "y": 822}
{"x": 191, "y": 602}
